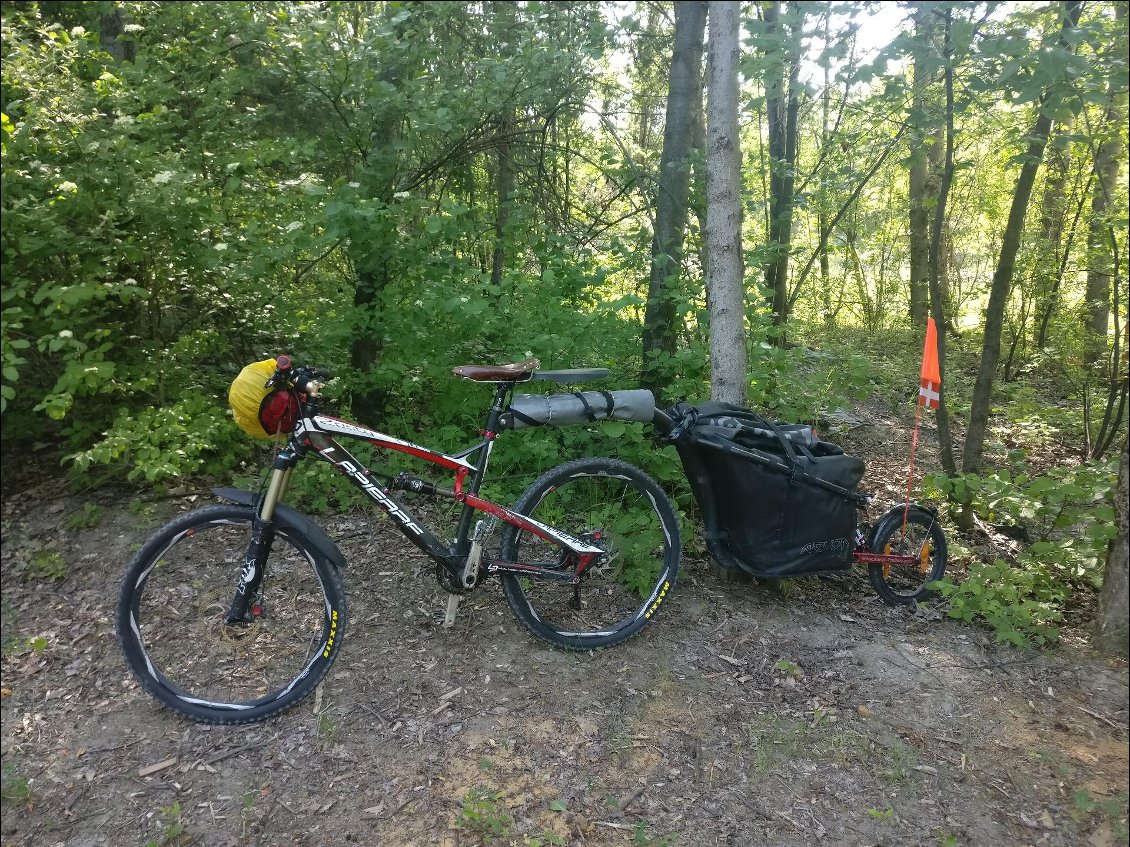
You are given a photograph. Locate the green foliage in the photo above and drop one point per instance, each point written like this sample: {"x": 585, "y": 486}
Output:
{"x": 14, "y": 786}
{"x": 392, "y": 193}
{"x": 173, "y": 829}
{"x": 1114, "y": 810}
{"x": 194, "y": 435}
{"x": 47, "y": 565}
{"x": 328, "y": 727}
{"x": 88, "y": 517}
{"x": 642, "y": 838}
{"x": 1021, "y": 603}
{"x": 484, "y": 816}
{"x": 1065, "y": 519}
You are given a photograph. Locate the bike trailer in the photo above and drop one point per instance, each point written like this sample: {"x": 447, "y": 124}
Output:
{"x": 776, "y": 500}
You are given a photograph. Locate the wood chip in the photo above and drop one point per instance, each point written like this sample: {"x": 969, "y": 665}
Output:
{"x": 452, "y": 693}
{"x": 149, "y": 770}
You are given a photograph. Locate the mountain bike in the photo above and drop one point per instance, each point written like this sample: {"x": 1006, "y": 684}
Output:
{"x": 232, "y": 613}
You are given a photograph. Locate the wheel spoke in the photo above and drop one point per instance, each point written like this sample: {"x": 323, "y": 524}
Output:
{"x": 171, "y": 620}
{"x": 612, "y": 506}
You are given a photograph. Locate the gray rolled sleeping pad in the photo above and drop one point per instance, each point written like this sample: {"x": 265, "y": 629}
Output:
{"x": 578, "y": 408}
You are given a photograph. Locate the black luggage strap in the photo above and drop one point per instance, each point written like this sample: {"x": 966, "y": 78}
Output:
{"x": 691, "y": 417}
{"x": 526, "y": 419}
{"x": 687, "y": 419}
{"x": 609, "y": 400}
{"x": 791, "y": 468}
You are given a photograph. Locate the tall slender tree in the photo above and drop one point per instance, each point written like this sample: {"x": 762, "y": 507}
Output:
{"x": 684, "y": 97}
{"x": 724, "y": 288}
{"x": 782, "y": 103}
{"x": 1108, "y": 157}
{"x": 926, "y": 151}
{"x": 1010, "y": 246}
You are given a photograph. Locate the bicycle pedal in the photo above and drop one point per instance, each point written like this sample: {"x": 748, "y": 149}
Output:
{"x": 452, "y": 608}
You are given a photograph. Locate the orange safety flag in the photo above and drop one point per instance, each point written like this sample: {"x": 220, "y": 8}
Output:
{"x": 930, "y": 391}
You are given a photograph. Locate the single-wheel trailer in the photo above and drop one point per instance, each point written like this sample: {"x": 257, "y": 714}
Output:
{"x": 778, "y": 502}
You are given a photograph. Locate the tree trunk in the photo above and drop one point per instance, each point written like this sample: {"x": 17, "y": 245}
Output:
{"x": 937, "y": 228}
{"x": 926, "y": 150}
{"x": 660, "y": 330}
{"x": 1112, "y": 634}
{"x": 725, "y": 291}
{"x": 1052, "y": 210}
{"x": 822, "y": 203}
{"x": 502, "y": 24}
{"x": 365, "y": 347}
{"x": 504, "y": 185}
{"x": 112, "y": 28}
{"x": 782, "y": 106}
{"x": 1002, "y": 277}
{"x": 1099, "y": 254}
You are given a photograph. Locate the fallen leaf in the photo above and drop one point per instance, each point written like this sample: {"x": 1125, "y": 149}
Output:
{"x": 863, "y": 711}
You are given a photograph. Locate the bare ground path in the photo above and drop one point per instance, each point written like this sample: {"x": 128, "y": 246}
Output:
{"x": 744, "y": 715}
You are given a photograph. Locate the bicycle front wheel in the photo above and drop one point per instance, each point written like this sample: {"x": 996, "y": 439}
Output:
{"x": 614, "y": 506}
{"x": 172, "y": 608}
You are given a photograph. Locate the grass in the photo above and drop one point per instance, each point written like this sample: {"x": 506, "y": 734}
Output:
{"x": 14, "y": 786}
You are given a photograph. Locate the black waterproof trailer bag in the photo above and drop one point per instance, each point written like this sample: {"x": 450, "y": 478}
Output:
{"x": 776, "y": 501}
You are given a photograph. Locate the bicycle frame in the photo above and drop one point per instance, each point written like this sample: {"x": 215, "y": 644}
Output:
{"x": 316, "y": 432}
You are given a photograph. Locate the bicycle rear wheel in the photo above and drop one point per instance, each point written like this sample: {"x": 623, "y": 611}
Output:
{"x": 921, "y": 537}
{"x": 617, "y": 507}
{"x": 171, "y": 619}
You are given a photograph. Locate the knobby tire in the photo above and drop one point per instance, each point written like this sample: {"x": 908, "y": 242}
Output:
{"x": 170, "y": 619}
{"x": 618, "y": 507}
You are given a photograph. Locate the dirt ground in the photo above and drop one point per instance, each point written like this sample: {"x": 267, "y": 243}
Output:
{"x": 745, "y": 714}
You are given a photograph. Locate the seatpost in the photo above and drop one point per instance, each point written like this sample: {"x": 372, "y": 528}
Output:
{"x": 490, "y": 432}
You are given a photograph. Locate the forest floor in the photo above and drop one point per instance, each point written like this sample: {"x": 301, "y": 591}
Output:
{"x": 745, "y": 714}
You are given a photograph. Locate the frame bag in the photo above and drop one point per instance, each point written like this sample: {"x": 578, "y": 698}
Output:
{"x": 776, "y": 500}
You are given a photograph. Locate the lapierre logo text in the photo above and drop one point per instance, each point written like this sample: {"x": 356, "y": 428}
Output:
{"x": 387, "y": 502}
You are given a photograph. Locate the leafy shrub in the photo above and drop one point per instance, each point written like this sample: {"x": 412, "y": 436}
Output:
{"x": 1064, "y": 519}
{"x": 193, "y": 435}
{"x": 1020, "y": 603}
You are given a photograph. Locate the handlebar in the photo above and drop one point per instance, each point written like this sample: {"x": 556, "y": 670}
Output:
{"x": 304, "y": 379}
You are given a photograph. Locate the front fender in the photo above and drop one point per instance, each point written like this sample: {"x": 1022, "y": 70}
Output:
{"x": 288, "y": 517}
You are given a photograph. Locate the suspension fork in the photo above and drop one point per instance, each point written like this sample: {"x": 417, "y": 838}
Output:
{"x": 262, "y": 537}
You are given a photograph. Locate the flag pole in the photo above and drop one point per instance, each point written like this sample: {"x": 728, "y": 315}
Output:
{"x": 910, "y": 479}
{"x": 929, "y": 394}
